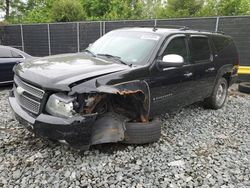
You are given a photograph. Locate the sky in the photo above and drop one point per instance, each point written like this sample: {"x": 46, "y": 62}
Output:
{"x": 2, "y": 12}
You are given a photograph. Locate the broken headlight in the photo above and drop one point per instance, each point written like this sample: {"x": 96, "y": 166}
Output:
{"x": 60, "y": 105}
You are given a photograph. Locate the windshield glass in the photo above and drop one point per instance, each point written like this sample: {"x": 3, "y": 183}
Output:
{"x": 132, "y": 47}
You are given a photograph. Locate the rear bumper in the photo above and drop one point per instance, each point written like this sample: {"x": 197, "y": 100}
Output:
{"x": 76, "y": 131}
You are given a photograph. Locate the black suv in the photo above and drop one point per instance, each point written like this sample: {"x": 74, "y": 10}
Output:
{"x": 112, "y": 91}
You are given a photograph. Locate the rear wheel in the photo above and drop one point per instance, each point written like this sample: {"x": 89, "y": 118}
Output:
{"x": 219, "y": 95}
{"x": 142, "y": 133}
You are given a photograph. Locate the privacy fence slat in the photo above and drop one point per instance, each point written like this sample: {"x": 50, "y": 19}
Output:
{"x": 35, "y": 39}
{"x": 63, "y": 38}
{"x": 89, "y": 33}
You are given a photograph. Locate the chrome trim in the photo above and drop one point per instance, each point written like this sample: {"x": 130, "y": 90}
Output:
{"x": 25, "y": 86}
{"x": 6, "y": 82}
{"x": 22, "y": 103}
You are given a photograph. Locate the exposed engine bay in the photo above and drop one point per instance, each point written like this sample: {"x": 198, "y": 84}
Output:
{"x": 128, "y": 104}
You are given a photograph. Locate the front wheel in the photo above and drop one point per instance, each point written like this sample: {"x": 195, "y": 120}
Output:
{"x": 142, "y": 133}
{"x": 219, "y": 95}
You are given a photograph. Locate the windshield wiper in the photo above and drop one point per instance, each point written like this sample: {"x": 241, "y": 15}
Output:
{"x": 117, "y": 58}
{"x": 88, "y": 51}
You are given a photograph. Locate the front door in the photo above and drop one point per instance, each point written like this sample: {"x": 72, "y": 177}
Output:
{"x": 170, "y": 87}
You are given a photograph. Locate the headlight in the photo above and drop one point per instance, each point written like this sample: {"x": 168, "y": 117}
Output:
{"x": 60, "y": 105}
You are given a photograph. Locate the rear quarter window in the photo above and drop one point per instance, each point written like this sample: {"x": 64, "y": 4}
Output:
{"x": 224, "y": 46}
{"x": 221, "y": 43}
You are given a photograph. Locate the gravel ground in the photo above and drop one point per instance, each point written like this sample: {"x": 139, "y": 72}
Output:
{"x": 198, "y": 148}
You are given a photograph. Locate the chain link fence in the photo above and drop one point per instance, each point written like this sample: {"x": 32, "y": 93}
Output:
{"x": 57, "y": 38}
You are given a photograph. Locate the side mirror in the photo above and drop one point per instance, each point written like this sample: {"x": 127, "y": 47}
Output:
{"x": 171, "y": 60}
{"x": 90, "y": 44}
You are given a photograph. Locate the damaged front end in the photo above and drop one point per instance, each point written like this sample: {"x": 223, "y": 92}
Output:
{"x": 87, "y": 117}
{"x": 130, "y": 99}
{"x": 114, "y": 105}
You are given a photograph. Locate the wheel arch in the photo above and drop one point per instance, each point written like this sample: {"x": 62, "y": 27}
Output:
{"x": 225, "y": 72}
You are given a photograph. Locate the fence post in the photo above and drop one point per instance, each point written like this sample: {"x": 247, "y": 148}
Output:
{"x": 78, "y": 36}
{"x": 48, "y": 28}
{"x": 103, "y": 27}
{"x": 100, "y": 28}
{"x": 217, "y": 23}
{"x": 21, "y": 29}
{"x": 155, "y": 22}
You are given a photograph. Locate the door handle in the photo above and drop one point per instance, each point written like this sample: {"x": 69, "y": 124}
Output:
{"x": 211, "y": 69}
{"x": 189, "y": 74}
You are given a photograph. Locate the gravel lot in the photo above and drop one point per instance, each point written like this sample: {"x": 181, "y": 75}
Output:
{"x": 198, "y": 148}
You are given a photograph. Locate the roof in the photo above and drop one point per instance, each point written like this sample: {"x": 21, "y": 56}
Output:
{"x": 16, "y": 50}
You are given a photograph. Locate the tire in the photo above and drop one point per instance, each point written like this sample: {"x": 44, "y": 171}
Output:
{"x": 219, "y": 95}
{"x": 244, "y": 87}
{"x": 142, "y": 133}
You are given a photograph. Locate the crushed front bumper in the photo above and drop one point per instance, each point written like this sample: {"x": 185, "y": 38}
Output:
{"x": 76, "y": 131}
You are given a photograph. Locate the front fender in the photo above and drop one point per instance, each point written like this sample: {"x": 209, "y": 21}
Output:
{"x": 123, "y": 88}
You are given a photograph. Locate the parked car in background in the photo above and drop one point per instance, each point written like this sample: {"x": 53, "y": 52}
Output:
{"x": 113, "y": 91}
{"x": 8, "y": 58}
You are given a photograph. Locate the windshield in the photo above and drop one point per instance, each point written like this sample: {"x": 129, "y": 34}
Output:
{"x": 130, "y": 46}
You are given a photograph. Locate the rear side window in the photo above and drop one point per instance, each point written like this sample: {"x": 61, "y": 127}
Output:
{"x": 5, "y": 53}
{"x": 177, "y": 46}
{"x": 199, "y": 49}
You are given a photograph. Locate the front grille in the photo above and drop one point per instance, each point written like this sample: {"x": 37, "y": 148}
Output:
{"x": 29, "y": 88}
{"x": 28, "y": 96}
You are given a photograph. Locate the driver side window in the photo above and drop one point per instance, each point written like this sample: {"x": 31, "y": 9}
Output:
{"x": 177, "y": 46}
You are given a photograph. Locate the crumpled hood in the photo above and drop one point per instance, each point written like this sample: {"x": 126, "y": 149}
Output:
{"x": 59, "y": 71}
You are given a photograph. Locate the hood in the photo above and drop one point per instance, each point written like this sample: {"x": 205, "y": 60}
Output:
{"x": 59, "y": 71}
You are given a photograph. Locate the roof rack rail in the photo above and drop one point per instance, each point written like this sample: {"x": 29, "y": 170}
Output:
{"x": 220, "y": 32}
{"x": 181, "y": 27}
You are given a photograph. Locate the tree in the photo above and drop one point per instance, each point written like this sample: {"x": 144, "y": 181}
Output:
{"x": 151, "y": 8}
{"x": 245, "y": 7}
{"x": 67, "y": 11}
{"x": 177, "y": 8}
{"x": 96, "y": 9}
{"x": 225, "y": 8}
{"x": 5, "y": 6}
{"x": 38, "y": 11}
{"x": 125, "y": 9}
{"x": 12, "y": 9}
{"x": 7, "y": 9}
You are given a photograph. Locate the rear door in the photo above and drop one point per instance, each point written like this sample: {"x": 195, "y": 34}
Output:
{"x": 202, "y": 59}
